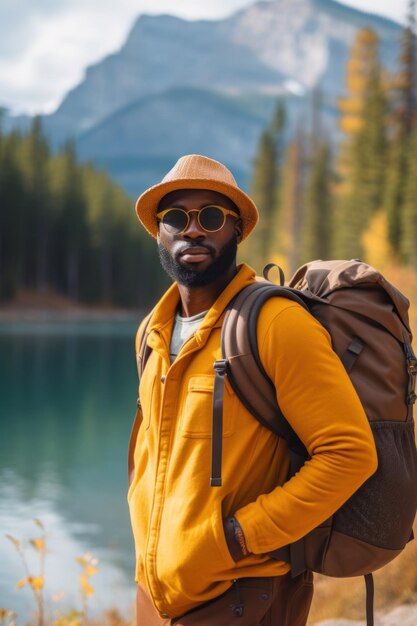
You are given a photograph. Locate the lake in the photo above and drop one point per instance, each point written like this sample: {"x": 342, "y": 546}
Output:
{"x": 67, "y": 400}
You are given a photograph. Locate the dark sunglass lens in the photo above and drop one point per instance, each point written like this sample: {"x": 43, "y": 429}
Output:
{"x": 175, "y": 220}
{"x": 211, "y": 218}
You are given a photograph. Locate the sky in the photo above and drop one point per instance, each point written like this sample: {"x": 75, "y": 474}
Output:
{"x": 46, "y": 45}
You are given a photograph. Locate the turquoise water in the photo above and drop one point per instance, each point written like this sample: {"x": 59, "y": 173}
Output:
{"x": 67, "y": 399}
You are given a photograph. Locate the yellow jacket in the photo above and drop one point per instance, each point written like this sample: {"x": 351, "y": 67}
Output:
{"x": 182, "y": 557}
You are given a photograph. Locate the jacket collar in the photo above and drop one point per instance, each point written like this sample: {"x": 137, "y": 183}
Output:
{"x": 164, "y": 312}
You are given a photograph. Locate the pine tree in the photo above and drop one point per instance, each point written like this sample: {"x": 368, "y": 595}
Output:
{"x": 71, "y": 244}
{"x": 264, "y": 180}
{"x": 394, "y": 191}
{"x": 317, "y": 229}
{"x": 34, "y": 155}
{"x": 405, "y": 82}
{"x": 264, "y": 188}
{"x": 409, "y": 235}
{"x": 402, "y": 120}
{"x": 287, "y": 226}
{"x": 363, "y": 154}
{"x": 12, "y": 252}
{"x": 317, "y": 222}
{"x": 362, "y": 64}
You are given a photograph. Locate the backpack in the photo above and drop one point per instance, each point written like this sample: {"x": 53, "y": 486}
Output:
{"x": 367, "y": 319}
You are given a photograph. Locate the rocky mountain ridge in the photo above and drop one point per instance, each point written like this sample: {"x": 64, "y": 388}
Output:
{"x": 178, "y": 85}
{"x": 270, "y": 47}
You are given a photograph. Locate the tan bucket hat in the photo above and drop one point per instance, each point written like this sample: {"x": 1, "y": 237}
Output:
{"x": 194, "y": 171}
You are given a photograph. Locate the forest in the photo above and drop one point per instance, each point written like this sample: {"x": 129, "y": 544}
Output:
{"x": 356, "y": 199}
{"x": 66, "y": 228}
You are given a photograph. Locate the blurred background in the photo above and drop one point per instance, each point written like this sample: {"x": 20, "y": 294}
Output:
{"x": 311, "y": 103}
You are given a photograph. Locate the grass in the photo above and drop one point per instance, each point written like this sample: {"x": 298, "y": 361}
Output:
{"x": 395, "y": 584}
{"x": 36, "y": 582}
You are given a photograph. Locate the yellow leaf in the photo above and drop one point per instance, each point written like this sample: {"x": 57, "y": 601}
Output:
{"x": 38, "y": 544}
{"x": 86, "y": 588}
{"x": 90, "y": 570}
{"x": 22, "y": 583}
{"x": 37, "y": 583}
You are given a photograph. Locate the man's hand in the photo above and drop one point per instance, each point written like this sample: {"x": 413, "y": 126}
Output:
{"x": 235, "y": 539}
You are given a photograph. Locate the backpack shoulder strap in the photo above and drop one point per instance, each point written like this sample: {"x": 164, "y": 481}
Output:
{"x": 250, "y": 382}
{"x": 142, "y": 354}
{"x": 246, "y": 373}
{"x": 142, "y": 349}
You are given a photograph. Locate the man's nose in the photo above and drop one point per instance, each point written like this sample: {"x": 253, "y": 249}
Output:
{"x": 193, "y": 229}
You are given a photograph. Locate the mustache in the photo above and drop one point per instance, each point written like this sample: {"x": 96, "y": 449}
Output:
{"x": 184, "y": 249}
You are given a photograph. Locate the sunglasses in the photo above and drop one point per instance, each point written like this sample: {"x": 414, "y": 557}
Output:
{"x": 211, "y": 218}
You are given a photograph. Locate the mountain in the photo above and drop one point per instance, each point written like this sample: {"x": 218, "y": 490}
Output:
{"x": 177, "y": 86}
{"x": 181, "y": 120}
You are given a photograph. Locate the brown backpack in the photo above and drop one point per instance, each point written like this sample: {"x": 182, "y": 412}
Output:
{"x": 367, "y": 319}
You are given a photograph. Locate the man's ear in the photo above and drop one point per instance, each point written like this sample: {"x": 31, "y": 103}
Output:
{"x": 239, "y": 229}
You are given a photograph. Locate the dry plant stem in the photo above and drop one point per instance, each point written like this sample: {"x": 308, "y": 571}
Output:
{"x": 38, "y": 596}
{"x": 37, "y": 591}
{"x": 85, "y": 618}
{"x": 39, "y": 599}
{"x": 40, "y": 591}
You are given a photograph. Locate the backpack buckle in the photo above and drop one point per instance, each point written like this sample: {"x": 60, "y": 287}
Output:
{"x": 411, "y": 398}
{"x": 220, "y": 366}
{"x": 412, "y": 365}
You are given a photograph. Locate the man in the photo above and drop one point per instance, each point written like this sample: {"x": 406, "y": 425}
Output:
{"x": 201, "y": 551}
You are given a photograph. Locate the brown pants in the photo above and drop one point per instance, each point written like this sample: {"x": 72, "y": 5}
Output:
{"x": 274, "y": 601}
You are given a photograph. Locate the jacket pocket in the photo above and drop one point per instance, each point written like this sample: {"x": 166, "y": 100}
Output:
{"x": 197, "y": 414}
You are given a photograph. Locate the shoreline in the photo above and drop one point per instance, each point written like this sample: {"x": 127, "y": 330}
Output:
{"x": 49, "y": 306}
{"x": 73, "y": 314}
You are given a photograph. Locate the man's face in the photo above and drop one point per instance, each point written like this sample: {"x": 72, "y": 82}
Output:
{"x": 210, "y": 254}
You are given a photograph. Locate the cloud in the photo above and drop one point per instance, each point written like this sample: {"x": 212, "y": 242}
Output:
{"x": 18, "y": 22}
{"x": 45, "y": 45}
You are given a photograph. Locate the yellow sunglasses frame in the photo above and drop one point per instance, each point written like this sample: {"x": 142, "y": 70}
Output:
{"x": 225, "y": 212}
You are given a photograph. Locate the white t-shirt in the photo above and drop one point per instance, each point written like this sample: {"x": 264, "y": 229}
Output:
{"x": 184, "y": 327}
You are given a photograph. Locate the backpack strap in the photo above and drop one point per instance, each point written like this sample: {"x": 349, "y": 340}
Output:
{"x": 239, "y": 348}
{"x": 143, "y": 351}
{"x": 412, "y": 373}
{"x": 369, "y": 583}
{"x": 142, "y": 354}
{"x": 242, "y": 364}
{"x": 220, "y": 370}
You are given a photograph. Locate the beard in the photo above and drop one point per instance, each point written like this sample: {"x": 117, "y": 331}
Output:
{"x": 199, "y": 278}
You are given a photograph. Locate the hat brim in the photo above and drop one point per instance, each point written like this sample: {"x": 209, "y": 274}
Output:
{"x": 147, "y": 203}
